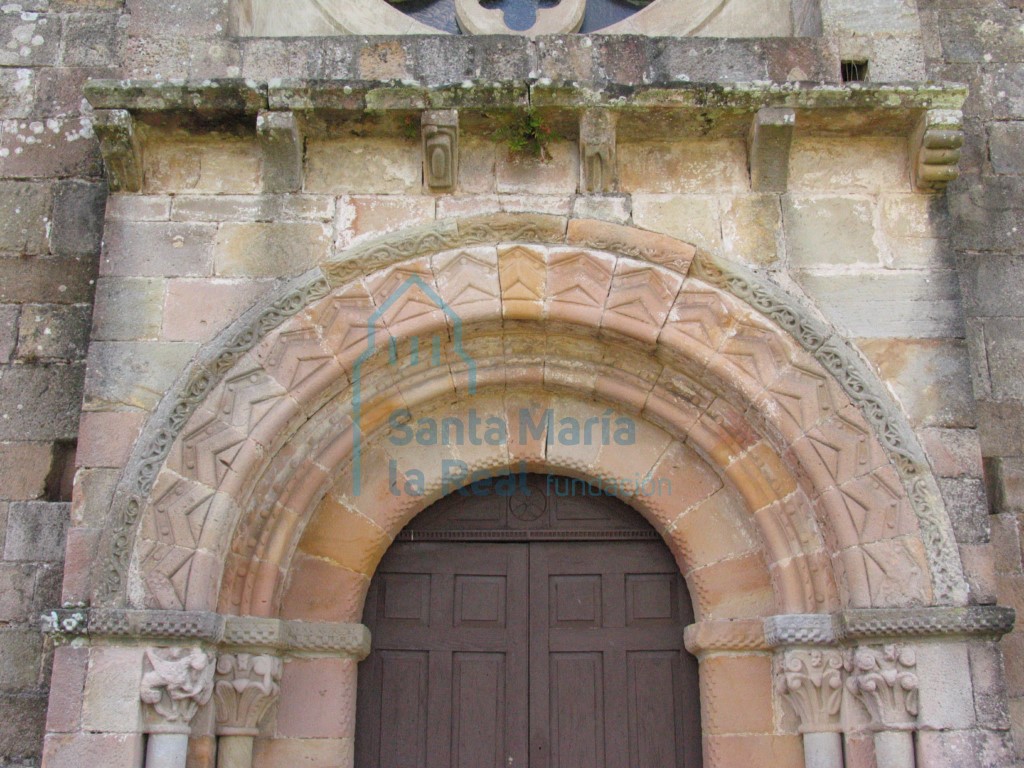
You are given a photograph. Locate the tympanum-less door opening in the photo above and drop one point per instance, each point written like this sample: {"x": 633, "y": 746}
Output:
{"x": 538, "y": 629}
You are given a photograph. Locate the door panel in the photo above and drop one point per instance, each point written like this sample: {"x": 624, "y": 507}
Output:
{"x": 540, "y": 654}
{"x": 446, "y": 684}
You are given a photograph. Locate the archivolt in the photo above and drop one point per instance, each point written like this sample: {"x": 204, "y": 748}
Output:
{"x": 255, "y": 444}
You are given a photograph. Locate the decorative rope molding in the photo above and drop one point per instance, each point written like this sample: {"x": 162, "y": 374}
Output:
{"x": 794, "y": 316}
{"x": 236, "y": 633}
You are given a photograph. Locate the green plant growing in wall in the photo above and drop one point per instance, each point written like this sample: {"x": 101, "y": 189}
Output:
{"x": 526, "y": 135}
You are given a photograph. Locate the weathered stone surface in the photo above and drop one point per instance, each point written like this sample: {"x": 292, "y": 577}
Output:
{"x": 930, "y": 377}
{"x": 992, "y": 284}
{"x": 691, "y": 218}
{"x": 53, "y": 332}
{"x": 845, "y": 165}
{"x": 36, "y": 530}
{"x": 128, "y": 309}
{"x": 752, "y": 229}
{"x": 221, "y": 208}
{"x": 26, "y": 207}
{"x": 196, "y": 310}
{"x": 893, "y": 304}
{"x": 58, "y": 146}
{"x": 684, "y": 167}
{"x": 1004, "y": 143}
{"x": 968, "y": 508}
{"x": 824, "y": 231}
{"x": 153, "y": 249}
{"x": 24, "y": 721}
{"x": 269, "y": 250}
{"x": 214, "y": 166}
{"x": 17, "y": 88}
{"x": 518, "y": 174}
{"x": 24, "y": 467}
{"x": 133, "y": 374}
{"x": 369, "y": 167}
{"x": 953, "y": 452}
{"x": 369, "y": 215}
{"x": 40, "y": 401}
{"x": 46, "y": 279}
{"x": 77, "y": 218}
{"x": 8, "y": 331}
{"x": 29, "y": 39}
{"x": 1004, "y": 347}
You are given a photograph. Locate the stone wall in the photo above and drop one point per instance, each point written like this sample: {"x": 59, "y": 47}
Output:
{"x": 981, "y": 44}
{"x": 51, "y": 203}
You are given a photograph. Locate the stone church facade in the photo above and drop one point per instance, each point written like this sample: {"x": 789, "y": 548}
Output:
{"x": 275, "y": 278}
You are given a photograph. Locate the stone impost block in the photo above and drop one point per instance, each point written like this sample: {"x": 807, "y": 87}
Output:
{"x": 440, "y": 132}
{"x": 282, "y": 144}
{"x": 598, "y": 165}
{"x": 768, "y": 145}
{"x": 122, "y": 151}
{"x": 935, "y": 149}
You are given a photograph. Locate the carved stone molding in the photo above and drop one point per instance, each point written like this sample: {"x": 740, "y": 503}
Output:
{"x": 800, "y": 629}
{"x": 175, "y": 683}
{"x": 885, "y": 680}
{"x": 241, "y": 633}
{"x": 976, "y": 620}
{"x": 245, "y": 687}
{"x": 935, "y": 149}
{"x": 812, "y": 682}
{"x": 440, "y": 130}
{"x": 737, "y": 635}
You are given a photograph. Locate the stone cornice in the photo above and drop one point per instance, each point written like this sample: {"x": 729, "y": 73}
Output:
{"x": 234, "y": 633}
{"x": 893, "y": 108}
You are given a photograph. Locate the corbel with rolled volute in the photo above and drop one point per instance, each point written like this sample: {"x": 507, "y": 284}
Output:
{"x": 175, "y": 683}
{"x": 885, "y": 680}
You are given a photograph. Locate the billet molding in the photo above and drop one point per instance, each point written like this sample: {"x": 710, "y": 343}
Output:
{"x": 793, "y": 315}
{"x": 850, "y": 627}
{"x": 242, "y": 634}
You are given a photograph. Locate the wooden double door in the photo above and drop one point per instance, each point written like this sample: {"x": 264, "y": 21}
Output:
{"x": 558, "y": 644}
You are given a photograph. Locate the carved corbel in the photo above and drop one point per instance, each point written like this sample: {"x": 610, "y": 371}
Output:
{"x": 440, "y": 131}
{"x": 281, "y": 141}
{"x": 246, "y": 685}
{"x": 935, "y": 149}
{"x": 768, "y": 145}
{"x": 598, "y": 163}
{"x": 175, "y": 683}
{"x": 121, "y": 149}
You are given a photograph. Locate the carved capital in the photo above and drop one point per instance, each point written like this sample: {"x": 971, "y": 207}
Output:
{"x": 246, "y": 686}
{"x": 884, "y": 679}
{"x": 812, "y": 682}
{"x": 175, "y": 683}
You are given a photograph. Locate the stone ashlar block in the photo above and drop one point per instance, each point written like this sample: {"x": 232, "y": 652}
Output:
{"x": 1004, "y": 143}
{"x": 133, "y": 374}
{"x": 24, "y": 467}
{"x": 29, "y": 40}
{"x": 968, "y": 508}
{"x": 36, "y": 531}
{"x": 26, "y": 207}
{"x": 77, "y": 227}
{"x": 381, "y": 166}
{"x": 21, "y": 731}
{"x": 196, "y": 310}
{"x": 270, "y": 249}
{"x": 41, "y": 402}
{"x": 993, "y": 284}
{"x": 53, "y": 332}
{"x": 1004, "y": 347}
{"x": 890, "y": 304}
{"x": 8, "y": 331}
{"x": 47, "y": 279}
{"x": 21, "y": 654}
{"x": 156, "y": 249}
{"x": 693, "y": 219}
{"x": 825, "y": 231}
{"x": 58, "y": 146}
{"x": 128, "y": 309}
